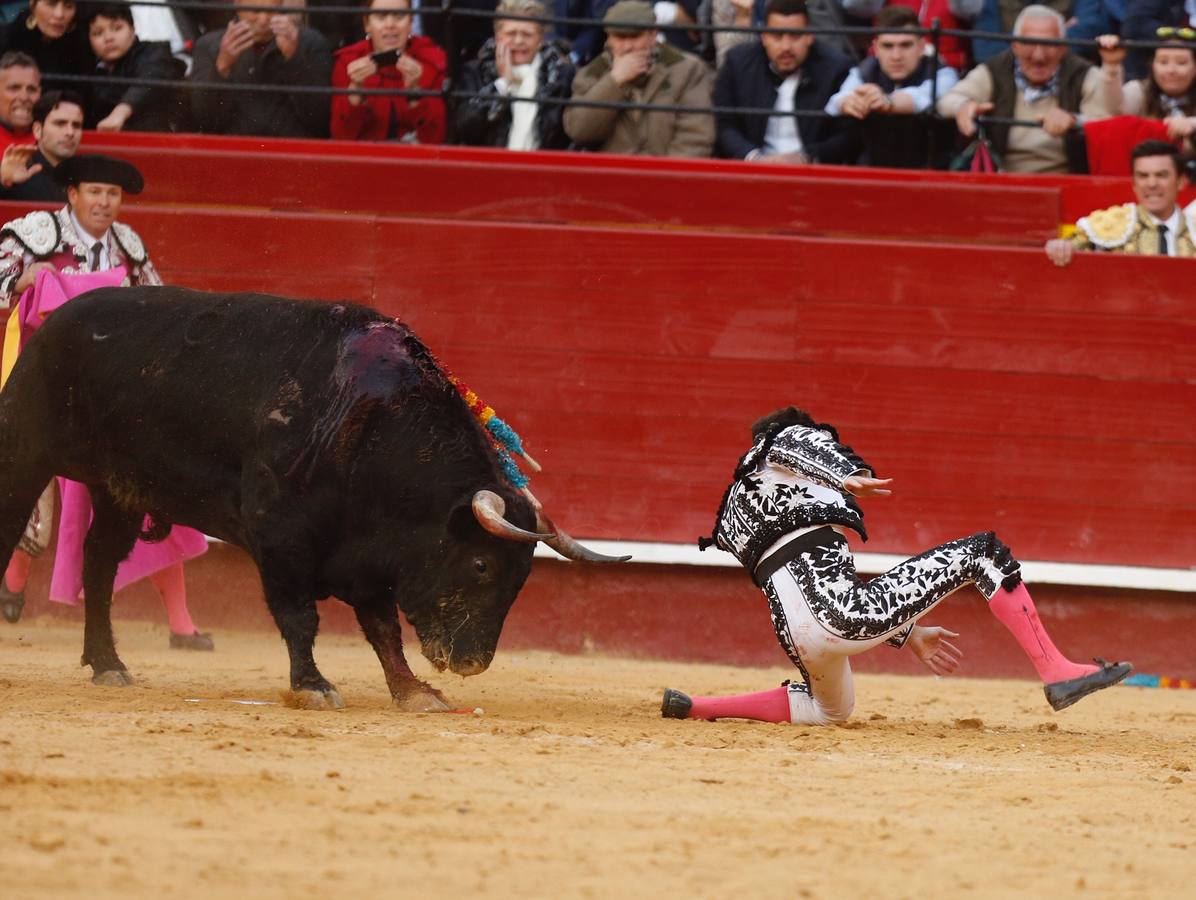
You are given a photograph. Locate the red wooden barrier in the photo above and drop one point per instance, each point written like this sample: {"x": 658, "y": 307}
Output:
{"x": 506, "y": 188}
{"x": 998, "y": 390}
{"x": 1078, "y": 195}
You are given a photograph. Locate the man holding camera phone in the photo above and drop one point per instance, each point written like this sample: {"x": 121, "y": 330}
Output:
{"x": 392, "y": 58}
{"x": 262, "y": 47}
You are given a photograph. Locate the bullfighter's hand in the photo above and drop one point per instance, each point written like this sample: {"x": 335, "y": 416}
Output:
{"x": 14, "y": 165}
{"x": 965, "y": 116}
{"x": 30, "y": 275}
{"x": 862, "y": 486}
{"x": 238, "y": 38}
{"x": 286, "y": 35}
{"x": 1110, "y": 49}
{"x": 630, "y": 66}
{"x": 1060, "y": 252}
{"x": 939, "y": 655}
{"x": 1058, "y": 122}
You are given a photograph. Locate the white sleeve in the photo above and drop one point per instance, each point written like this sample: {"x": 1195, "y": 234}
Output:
{"x": 834, "y": 106}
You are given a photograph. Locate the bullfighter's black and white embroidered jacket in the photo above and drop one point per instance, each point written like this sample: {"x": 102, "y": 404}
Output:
{"x": 790, "y": 479}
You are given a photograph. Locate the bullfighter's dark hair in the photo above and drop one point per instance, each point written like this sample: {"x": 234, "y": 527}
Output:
{"x": 786, "y": 8}
{"x": 50, "y": 100}
{"x": 1158, "y": 148}
{"x": 786, "y": 418}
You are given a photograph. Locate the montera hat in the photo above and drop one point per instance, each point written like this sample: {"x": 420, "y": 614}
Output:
{"x": 629, "y": 17}
{"x": 101, "y": 169}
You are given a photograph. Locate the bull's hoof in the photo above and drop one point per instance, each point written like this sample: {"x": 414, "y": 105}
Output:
{"x": 112, "y": 678}
{"x": 312, "y": 699}
{"x": 427, "y": 700}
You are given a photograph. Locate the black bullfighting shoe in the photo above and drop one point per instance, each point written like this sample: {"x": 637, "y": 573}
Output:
{"x": 1062, "y": 694}
{"x": 675, "y": 705}
{"x": 196, "y": 641}
{"x": 11, "y": 603}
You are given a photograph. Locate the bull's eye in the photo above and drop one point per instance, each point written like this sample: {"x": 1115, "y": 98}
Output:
{"x": 479, "y": 566}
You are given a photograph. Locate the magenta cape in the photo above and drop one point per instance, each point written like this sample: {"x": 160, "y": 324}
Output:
{"x": 49, "y": 291}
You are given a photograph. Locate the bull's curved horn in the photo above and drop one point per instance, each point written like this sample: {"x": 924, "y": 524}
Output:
{"x": 488, "y": 508}
{"x": 569, "y": 548}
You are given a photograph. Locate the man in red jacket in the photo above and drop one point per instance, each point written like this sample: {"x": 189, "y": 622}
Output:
{"x": 20, "y": 88}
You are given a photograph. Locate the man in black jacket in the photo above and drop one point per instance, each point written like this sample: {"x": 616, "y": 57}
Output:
{"x": 27, "y": 170}
{"x": 789, "y": 72}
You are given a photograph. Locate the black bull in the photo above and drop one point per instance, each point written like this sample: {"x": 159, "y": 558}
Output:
{"x": 323, "y": 439}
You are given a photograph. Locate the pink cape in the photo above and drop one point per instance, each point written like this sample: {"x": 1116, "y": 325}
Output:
{"x": 51, "y": 290}
{"x": 67, "y": 583}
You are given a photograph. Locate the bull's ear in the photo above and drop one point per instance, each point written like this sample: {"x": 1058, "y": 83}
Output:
{"x": 462, "y": 523}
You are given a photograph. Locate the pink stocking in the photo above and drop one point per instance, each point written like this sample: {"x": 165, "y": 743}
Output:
{"x": 173, "y": 591}
{"x": 16, "y": 576}
{"x": 1016, "y": 611}
{"x": 764, "y": 706}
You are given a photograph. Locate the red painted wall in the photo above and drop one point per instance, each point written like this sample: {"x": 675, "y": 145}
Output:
{"x": 999, "y": 391}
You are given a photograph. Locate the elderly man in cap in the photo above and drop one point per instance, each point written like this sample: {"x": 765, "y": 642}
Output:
{"x": 636, "y": 68}
{"x": 83, "y": 237}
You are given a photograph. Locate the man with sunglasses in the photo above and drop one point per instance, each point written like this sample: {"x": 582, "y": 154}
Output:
{"x": 1153, "y": 226}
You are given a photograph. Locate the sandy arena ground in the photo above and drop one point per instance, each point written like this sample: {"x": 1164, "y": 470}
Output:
{"x": 570, "y": 784}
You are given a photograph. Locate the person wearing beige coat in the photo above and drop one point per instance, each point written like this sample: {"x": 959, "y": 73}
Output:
{"x": 635, "y": 68}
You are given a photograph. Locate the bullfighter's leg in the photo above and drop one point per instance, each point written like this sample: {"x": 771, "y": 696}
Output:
{"x": 294, "y": 610}
{"x": 18, "y": 498}
{"x": 110, "y": 539}
{"x": 379, "y": 620}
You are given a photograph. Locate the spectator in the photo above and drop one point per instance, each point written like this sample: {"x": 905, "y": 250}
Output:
{"x": 1155, "y": 225}
{"x": 1041, "y": 82}
{"x": 121, "y": 54}
{"x": 85, "y": 236}
{"x": 952, "y": 15}
{"x": 1143, "y": 19}
{"x": 389, "y": 58}
{"x": 49, "y": 35}
{"x": 263, "y": 49}
{"x": 1085, "y": 20}
{"x": 1168, "y": 92}
{"x": 516, "y": 63}
{"x": 633, "y": 68}
{"x": 27, "y": 170}
{"x": 20, "y": 87}
{"x": 885, "y": 90}
{"x": 789, "y": 72}
{"x": 819, "y": 13}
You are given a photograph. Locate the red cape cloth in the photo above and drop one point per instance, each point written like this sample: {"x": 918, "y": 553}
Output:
{"x": 1110, "y": 142}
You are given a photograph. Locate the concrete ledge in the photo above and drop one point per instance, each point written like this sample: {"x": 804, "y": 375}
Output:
{"x": 1136, "y": 578}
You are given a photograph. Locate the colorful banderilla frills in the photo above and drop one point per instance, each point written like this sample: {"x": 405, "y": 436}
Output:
{"x": 506, "y": 442}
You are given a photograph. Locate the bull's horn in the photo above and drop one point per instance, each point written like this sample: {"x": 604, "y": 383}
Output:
{"x": 569, "y": 548}
{"x": 488, "y": 507}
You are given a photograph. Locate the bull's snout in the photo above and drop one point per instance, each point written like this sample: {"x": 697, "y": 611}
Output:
{"x": 469, "y": 666}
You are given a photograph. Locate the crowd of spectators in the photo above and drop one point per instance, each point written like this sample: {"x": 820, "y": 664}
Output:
{"x": 507, "y": 77}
